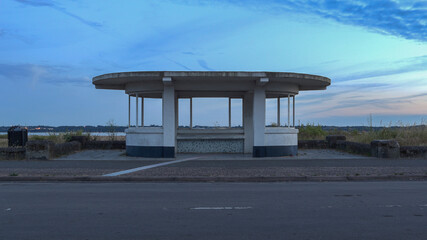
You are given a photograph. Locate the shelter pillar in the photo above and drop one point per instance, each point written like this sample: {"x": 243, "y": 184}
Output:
{"x": 258, "y": 118}
{"x": 169, "y": 122}
{"x": 248, "y": 124}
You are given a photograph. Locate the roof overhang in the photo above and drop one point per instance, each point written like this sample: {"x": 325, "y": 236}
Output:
{"x": 119, "y": 80}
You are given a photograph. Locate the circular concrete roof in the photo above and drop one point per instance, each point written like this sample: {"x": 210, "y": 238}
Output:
{"x": 120, "y": 79}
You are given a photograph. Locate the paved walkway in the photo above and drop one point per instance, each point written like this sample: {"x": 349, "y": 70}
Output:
{"x": 310, "y": 163}
{"x": 121, "y": 155}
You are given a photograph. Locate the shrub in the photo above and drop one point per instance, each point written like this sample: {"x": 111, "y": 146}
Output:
{"x": 310, "y": 131}
{"x": 406, "y": 136}
{"x": 56, "y": 138}
{"x": 67, "y": 135}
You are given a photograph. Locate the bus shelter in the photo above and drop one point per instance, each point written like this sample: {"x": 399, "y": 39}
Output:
{"x": 252, "y": 88}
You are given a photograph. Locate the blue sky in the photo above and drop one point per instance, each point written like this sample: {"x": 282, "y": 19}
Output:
{"x": 375, "y": 52}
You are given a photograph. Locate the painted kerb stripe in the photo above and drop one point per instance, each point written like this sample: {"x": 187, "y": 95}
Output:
{"x": 147, "y": 167}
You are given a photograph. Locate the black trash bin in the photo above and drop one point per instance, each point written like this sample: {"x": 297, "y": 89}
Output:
{"x": 17, "y": 136}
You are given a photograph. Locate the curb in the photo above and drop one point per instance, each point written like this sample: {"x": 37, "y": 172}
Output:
{"x": 215, "y": 179}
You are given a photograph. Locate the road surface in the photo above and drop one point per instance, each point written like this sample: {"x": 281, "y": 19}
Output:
{"x": 344, "y": 210}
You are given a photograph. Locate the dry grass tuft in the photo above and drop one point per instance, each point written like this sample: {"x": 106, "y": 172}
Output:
{"x": 3, "y": 141}
{"x": 406, "y": 135}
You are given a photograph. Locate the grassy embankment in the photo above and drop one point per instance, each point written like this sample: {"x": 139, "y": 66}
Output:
{"x": 63, "y": 137}
{"x": 405, "y": 135}
{"x": 3, "y": 140}
{"x": 56, "y": 138}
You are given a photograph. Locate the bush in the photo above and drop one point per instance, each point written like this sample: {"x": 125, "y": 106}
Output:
{"x": 409, "y": 135}
{"x": 67, "y": 135}
{"x": 406, "y": 136}
{"x": 56, "y": 138}
{"x": 310, "y": 131}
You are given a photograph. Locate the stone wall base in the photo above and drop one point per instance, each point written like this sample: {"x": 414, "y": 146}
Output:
{"x": 12, "y": 153}
{"x": 274, "y": 151}
{"x": 47, "y": 150}
{"x": 151, "y": 151}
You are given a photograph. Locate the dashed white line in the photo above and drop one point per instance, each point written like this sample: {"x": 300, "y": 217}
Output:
{"x": 390, "y": 206}
{"x": 147, "y": 167}
{"x": 220, "y": 208}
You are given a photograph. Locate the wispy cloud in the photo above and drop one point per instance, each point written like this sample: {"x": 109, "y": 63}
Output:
{"x": 379, "y": 103}
{"x": 407, "y": 19}
{"x": 204, "y": 64}
{"x": 34, "y": 74}
{"x": 398, "y": 67}
{"x": 53, "y": 5}
{"x": 15, "y": 34}
{"x": 180, "y": 64}
{"x": 188, "y": 53}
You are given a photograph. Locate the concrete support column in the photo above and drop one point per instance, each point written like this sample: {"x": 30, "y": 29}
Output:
{"x": 293, "y": 111}
{"x": 169, "y": 128}
{"x": 258, "y": 115}
{"x": 129, "y": 112}
{"x": 248, "y": 124}
{"x": 229, "y": 112}
{"x": 268, "y": 141}
{"x": 278, "y": 111}
{"x": 289, "y": 110}
{"x": 191, "y": 112}
{"x": 142, "y": 111}
{"x": 176, "y": 120}
{"x": 136, "y": 111}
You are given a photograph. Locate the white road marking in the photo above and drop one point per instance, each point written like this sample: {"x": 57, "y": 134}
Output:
{"x": 392, "y": 206}
{"x": 8, "y": 209}
{"x": 220, "y": 208}
{"x": 147, "y": 167}
{"x": 425, "y": 205}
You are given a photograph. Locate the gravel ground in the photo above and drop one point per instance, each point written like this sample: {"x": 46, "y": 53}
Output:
{"x": 319, "y": 162}
{"x": 121, "y": 155}
{"x": 278, "y": 171}
{"x": 54, "y": 172}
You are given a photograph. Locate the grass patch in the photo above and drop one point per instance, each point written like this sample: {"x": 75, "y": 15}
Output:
{"x": 311, "y": 132}
{"x": 3, "y": 142}
{"x": 406, "y": 136}
{"x": 415, "y": 135}
{"x": 59, "y": 137}
{"x": 56, "y": 138}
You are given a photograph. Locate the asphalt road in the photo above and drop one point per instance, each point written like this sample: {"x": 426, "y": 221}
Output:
{"x": 345, "y": 210}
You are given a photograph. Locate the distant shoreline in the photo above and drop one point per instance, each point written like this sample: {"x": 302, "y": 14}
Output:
{"x": 121, "y": 129}
{"x": 84, "y": 133}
